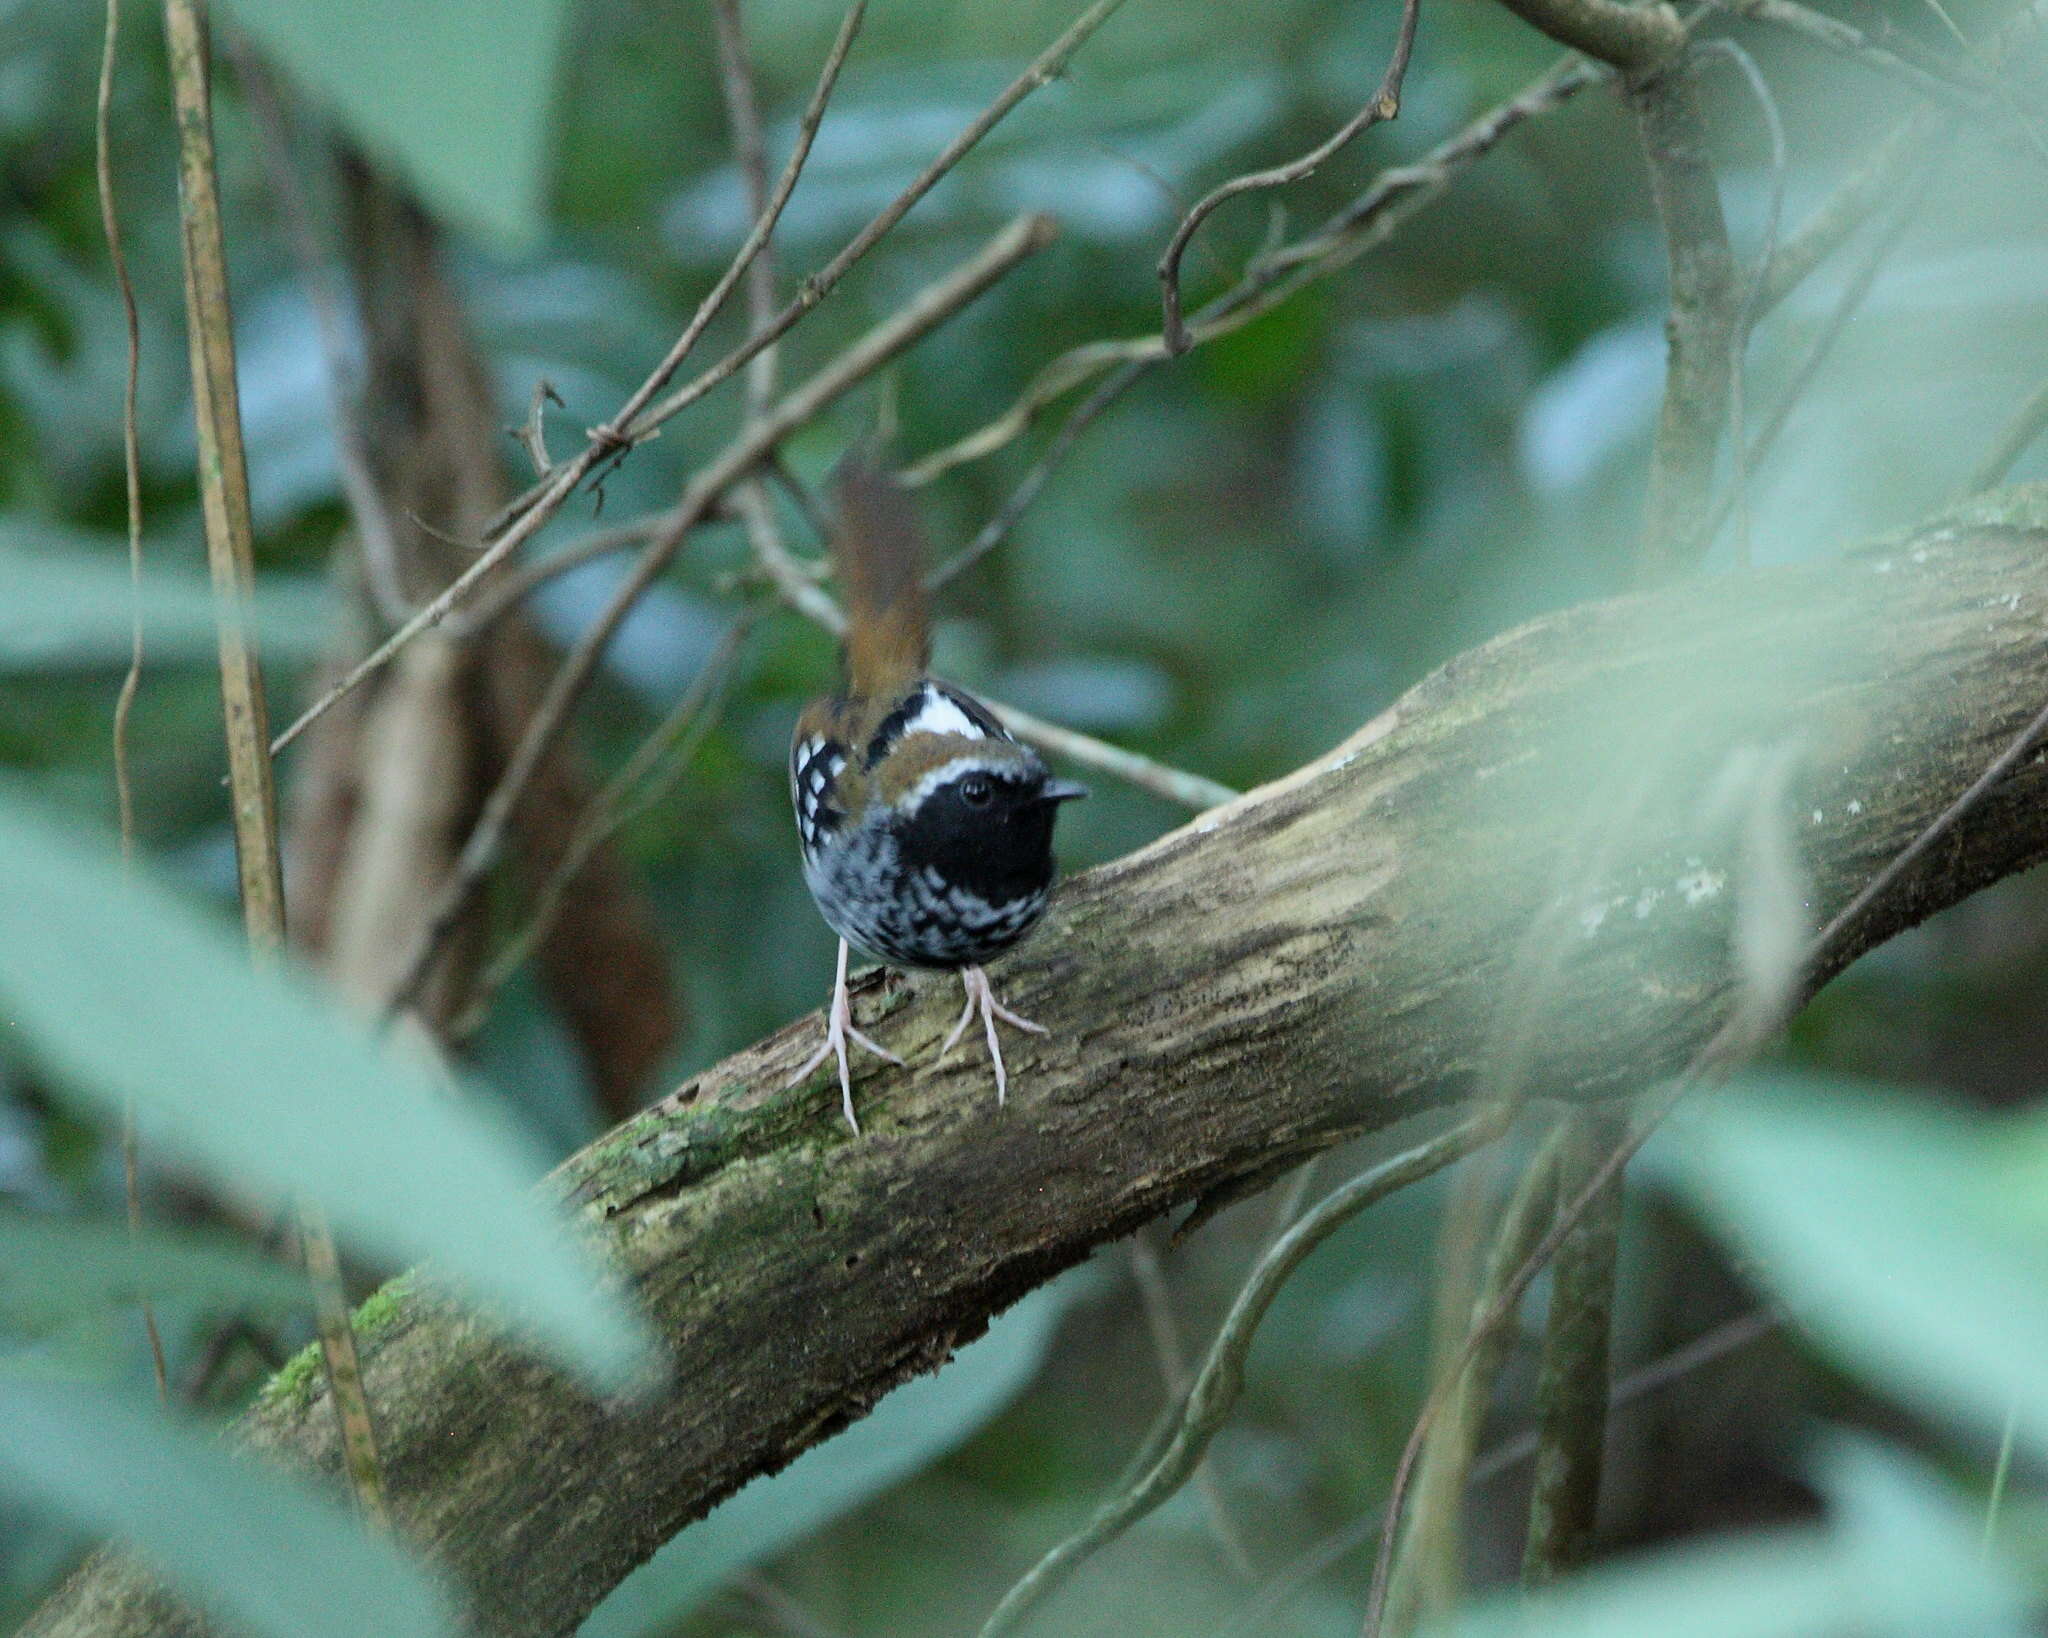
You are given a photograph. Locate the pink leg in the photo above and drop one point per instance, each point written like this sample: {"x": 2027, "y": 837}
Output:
{"x": 982, "y": 999}
{"x": 838, "y": 1031}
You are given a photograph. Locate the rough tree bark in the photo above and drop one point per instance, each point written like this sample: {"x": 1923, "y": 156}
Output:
{"x": 1324, "y": 957}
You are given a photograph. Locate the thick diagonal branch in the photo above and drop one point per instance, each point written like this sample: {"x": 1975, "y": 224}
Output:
{"x": 1322, "y": 957}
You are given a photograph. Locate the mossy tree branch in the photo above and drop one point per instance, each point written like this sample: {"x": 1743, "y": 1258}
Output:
{"x": 1323, "y": 957}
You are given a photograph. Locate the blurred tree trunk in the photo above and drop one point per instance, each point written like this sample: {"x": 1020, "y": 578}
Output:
{"x": 1322, "y": 958}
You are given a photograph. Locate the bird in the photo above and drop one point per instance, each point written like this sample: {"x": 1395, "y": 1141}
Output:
{"x": 925, "y": 827}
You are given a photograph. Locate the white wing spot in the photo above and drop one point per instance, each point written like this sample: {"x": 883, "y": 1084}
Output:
{"x": 939, "y": 715}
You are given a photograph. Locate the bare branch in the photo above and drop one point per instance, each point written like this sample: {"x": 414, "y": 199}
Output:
{"x": 1957, "y": 92}
{"x": 1048, "y": 65}
{"x": 1189, "y": 790}
{"x": 1384, "y": 104}
{"x": 431, "y": 613}
{"x": 1426, "y": 1577}
{"x": 520, "y": 582}
{"x": 131, "y": 679}
{"x": 526, "y": 516}
{"x": 1360, "y": 227}
{"x": 647, "y": 776}
{"x": 994, "y": 532}
{"x": 1752, "y": 286}
{"x": 629, "y": 425}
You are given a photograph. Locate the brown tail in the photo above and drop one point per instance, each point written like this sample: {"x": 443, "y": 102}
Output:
{"x": 880, "y": 556}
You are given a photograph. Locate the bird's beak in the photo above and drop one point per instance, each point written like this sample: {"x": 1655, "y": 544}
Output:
{"x": 1061, "y": 790}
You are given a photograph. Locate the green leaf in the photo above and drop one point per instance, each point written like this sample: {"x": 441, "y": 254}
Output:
{"x": 69, "y": 609}
{"x": 455, "y": 93}
{"x": 129, "y": 993}
{"x": 267, "y": 1553}
{"x": 910, "y": 1429}
{"x": 54, "y": 1268}
{"x": 1886, "y": 1223}
{"x": 1899, "y": 1559}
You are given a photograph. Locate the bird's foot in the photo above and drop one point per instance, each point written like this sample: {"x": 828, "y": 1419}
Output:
{"x": 838, "y": 1031}
{"x": 982, "y": 999}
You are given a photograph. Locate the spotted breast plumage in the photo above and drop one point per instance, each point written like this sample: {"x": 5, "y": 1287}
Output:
{"x": 926, "y": 829}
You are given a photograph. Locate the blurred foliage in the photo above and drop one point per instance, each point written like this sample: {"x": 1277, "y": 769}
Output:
{"x": 1250, "y": 554}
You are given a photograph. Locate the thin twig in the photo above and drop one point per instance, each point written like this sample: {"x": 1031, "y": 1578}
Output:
{"x": 743, "y": 114}
{"x": 224, "y": 498}
{"x": 1190, "y": 790}
{"x": 994, "y": 532}
{"x": 924, "y": 313}
{"x": 533, "y": 432}
{"x": 1169, "y": 1350}
{"x": 522, "y": 580}
{"x": 1497, "y": 1315}
{"x": 1044, "y": 69}
{"x": 630, "y": 425}
{"x": 1221, "y": 1378}
{"x": 656, "y": 764}
{"x": 525, "y": 517}
{"x": 1955, "y": 94}
{"x": 1572, "y": 1387}
{"x": 1752, "y": 286}
{"x": 1365, "y": 223}
{"x": 1860, "y": 195}
{"x": 366, "y": 509}
{"x": 431, "y": 613}
{"x": 131, "y": 450}
{"x": 1847, "y": 305}
{"x": 1425, "y": 1575}
{"x": 131, "y": 683}
{"x": 633, "y": 421}
{"x": 1384, "y": 104}
{"x": 756, "y": 507}
{"x": 1714, "y": 1345}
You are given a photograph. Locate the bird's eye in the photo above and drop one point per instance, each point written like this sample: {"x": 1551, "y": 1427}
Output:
{"x": 976, "y": 789}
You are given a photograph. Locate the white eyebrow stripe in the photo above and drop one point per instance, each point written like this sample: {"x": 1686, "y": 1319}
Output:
{"x": 946, "y": 772}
